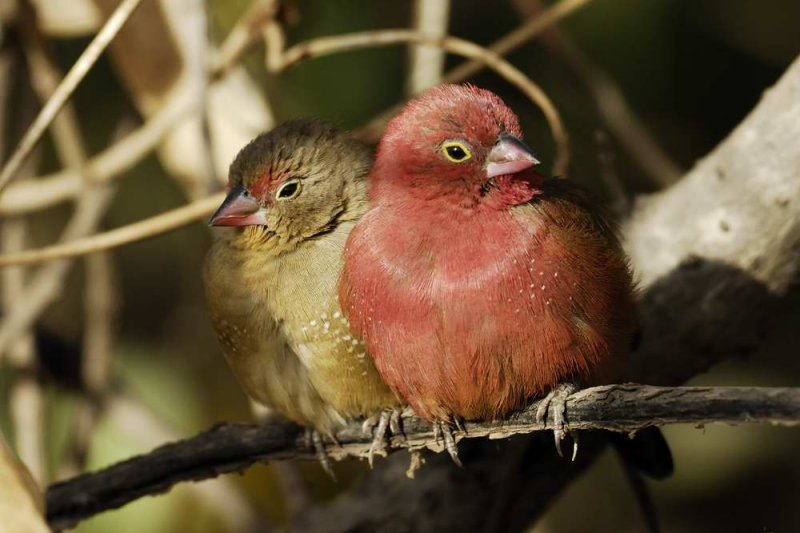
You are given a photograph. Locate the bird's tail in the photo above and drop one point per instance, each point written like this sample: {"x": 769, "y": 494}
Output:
{"x": 647, "y": 451}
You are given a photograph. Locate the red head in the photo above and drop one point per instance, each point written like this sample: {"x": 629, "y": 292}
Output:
{"x": 451, "y": 138}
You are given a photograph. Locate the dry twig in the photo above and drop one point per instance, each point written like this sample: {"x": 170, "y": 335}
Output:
{"x": 234, "y": 447}
{"x": 66, "y": 88}
{"x": 137, "y": 231}
{"x": 609, "y": 99}
{"x": 279, "y": 60}
{"x": 431, "y": 17}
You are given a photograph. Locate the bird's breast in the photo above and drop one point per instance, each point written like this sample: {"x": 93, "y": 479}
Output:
{"x": 472, "y": 317}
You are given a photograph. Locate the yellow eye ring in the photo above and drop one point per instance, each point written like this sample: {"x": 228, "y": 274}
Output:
{"x": 455, "y": 151}
{"x": 288, "y": 190}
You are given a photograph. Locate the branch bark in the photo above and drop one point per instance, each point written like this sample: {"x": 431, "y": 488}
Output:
{"x": 234, "y": 447}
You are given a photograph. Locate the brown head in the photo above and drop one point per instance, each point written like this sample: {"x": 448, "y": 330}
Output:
{"x": 293, "y": 183}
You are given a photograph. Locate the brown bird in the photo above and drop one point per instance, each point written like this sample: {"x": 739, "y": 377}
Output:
{"x": 271, "y": 279}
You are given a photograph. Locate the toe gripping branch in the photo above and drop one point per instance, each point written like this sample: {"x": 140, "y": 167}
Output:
{"x": 443, "y": 431}
{"x": 381, "y": 427}
{"x": 554, "y": 407}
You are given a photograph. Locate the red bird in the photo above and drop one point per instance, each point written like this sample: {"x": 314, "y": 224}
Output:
{"x": 476, "y": 283}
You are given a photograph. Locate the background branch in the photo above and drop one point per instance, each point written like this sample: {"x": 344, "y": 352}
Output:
{"x": 234, "y": 447}
{"x": 66, "y": 88}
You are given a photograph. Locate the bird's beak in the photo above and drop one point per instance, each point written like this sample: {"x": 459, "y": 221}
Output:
{"x": 509, "y": 156}
{"x": 239, "y": 209}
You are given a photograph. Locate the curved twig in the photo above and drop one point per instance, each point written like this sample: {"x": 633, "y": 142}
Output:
{"x": 137, "y": 231}
{"x": 67, "y": 87}
{"x": 353, "y": 41}
{"x": 115, "y": 158}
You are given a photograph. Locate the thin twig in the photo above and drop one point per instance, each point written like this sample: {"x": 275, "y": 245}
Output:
{"x": 66, "y": 88}
{"x": 26, "y": 403}
{"x": 25, "y": 399}
{"x": 122, "y": 154}
{"x": 137, "y": 231}
{"x": 49, "y": 190}
{"x": 244, "y": 34}
{"x": 100, "y": 313}
{"x": 534, "y": 26}
{"x": 323, "y": 46}
{"x": 621, "y": 202}
{"x": 234, "y": 447}
{"x": 426, "y": 63}
{"x": 45, "y": 285}
{"x": 278, "y": 62}
{"x": 609, "y": 99}
{"x": 372, "y": 130}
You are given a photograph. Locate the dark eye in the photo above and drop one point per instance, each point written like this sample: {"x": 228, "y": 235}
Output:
{"x": 290, "y": 189}
{"x": 456, "y": 151}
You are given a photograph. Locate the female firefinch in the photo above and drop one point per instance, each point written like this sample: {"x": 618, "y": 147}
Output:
{"x": 294, "y": 195}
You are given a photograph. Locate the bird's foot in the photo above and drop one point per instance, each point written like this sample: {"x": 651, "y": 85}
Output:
{"x": 554, "y": 405}
{"x": 388, "y": 422}
{"x": 443, "y": 431}
{"x": 314, "y": 440}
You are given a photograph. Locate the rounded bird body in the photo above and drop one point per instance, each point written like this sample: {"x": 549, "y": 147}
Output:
{"x": 476, "y": 283}
{"x": 295, "y": 194}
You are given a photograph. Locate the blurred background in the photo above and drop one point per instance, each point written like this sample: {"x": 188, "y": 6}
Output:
{"x": 118, "y": 355}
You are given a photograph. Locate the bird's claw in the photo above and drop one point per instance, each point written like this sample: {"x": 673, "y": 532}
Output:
{"x": 314, "y": 440}
{"x": 443, "y": 431}
{"x": 555, "y": 405}
{"x": 380, "y": 426}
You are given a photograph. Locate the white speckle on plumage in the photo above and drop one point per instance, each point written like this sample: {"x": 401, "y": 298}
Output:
{"x": 337, "y": 314}
{"x": 354, "y": 342}
{"x": 313, "y": 323}
{"x": 543, "y": 287}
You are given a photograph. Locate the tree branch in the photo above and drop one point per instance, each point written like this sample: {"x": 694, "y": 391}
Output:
{"x": 234, "y": 447}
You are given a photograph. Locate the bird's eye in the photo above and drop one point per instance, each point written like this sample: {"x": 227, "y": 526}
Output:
{"x": 456, "y": 151}
{"x": 288, "y": 190}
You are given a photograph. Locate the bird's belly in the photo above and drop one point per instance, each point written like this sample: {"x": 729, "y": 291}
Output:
{"x": 338, "y": 364}
{"x": 478, "y": 348}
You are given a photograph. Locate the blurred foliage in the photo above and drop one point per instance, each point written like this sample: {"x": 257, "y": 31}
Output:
{"x": 691, "y": 69}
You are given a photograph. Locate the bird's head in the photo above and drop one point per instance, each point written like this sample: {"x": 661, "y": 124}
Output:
{"x": 294, "y": 182}
{"x": 452, "y": 136}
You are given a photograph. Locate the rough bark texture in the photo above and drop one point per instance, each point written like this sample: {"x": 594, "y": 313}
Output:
{"x": 234, "y": 447}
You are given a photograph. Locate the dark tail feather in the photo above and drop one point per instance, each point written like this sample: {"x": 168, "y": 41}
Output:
{"x": 647, "y": 451}
{"x": 643, "y": 498}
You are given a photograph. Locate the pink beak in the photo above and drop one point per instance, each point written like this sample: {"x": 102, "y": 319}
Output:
{"x": 509, "y": 156}
{"x": 239, "y": 209}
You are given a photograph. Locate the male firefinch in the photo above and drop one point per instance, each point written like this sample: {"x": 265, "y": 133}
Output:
{"x": 477, "y": 283}
{"x": 294, "y": 195}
